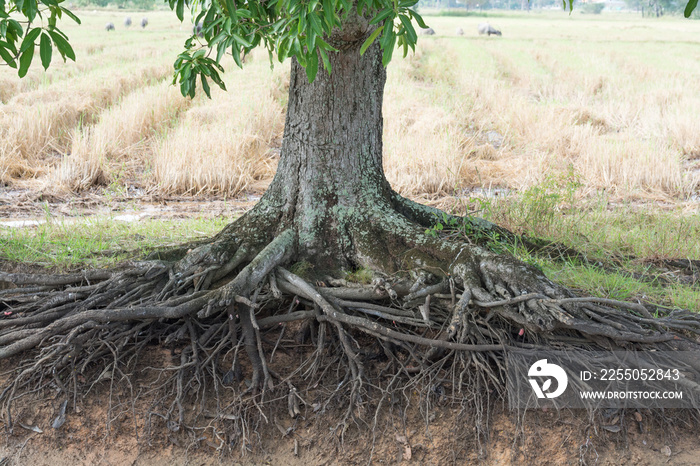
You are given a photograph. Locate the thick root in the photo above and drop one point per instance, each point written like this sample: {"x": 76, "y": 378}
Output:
{"x": 435, "y": 310}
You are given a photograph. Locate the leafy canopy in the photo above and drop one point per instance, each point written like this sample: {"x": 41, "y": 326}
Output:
{"x": 286, "y": 28}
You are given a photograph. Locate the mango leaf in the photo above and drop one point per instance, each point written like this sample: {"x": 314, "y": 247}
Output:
{"x": 7, "y": 56}
{"x": 25, "y": 60}
{"x": 311, "y": 65}
{"x": 419, "y": 19}
{"x": 29, "y": 39}
{"x": 692, "y": 4}
{"x": 242, "y": 41}
{"x": 326, "y": 62}
{"x": 180, "y": 10}
{"x": 30, "y": 9}
{"x": 389, "y": 49}
{"x": 236, "y": 52}
{"x": 371, "y": 39}
{"x": 409, "y": 28}
{"x": 45, "y": 50}
{"x": 384, "y": 14}
{"x": 205, "y": 86}
{"x": 62, "y": 45}
{"x": 70, "y": 15}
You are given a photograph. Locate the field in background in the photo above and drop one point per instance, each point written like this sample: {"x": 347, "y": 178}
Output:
{"x": 612, "y": 99}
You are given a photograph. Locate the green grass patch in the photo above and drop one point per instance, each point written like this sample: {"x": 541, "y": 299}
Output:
{"x": 624, "y": 245}
{"x": 98, "y": 241}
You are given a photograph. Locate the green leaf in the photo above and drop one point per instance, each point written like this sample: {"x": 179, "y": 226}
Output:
{"x": 311, "y": 65}
{"x": 29, "y": 39}
{"x": 388, "y": 42}
{"x": 45, "y": 50}
{"x": 6, "y": 56}
{"x": 221, "y": 49}
{"x": 326, "y": 62}
{"x": 70, "y": 15}
{"x": 296, "y": 44}
{"x": 9, "y": 46}
{"x": 283, "y": 49}
{"x": 180, "y": 10}
{"x": 241, "y": 41}
{"x": 382, "y": 15}
{"x": 231, "y": 9}
{"x": 322, "y": 44}
{"x": 315, "y": 24}
{"x": 692, "y": 4}
{"x": 205, "y": 86}
{"x": 409, "y": 28}
{"x": 311, "y": 39}
{"x": 62, "y": 45}
{"x": 329, "y": 13}
{"x": 371, "y": 39}
{"x": 419, "y": 19}
{"x": 25, "y": 60}
{"x": 30, "y": 9}
{"x": 15, "y": 28}
{"x": 236, "y": 52}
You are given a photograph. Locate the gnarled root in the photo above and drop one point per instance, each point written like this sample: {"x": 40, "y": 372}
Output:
{"x": 437, "y": 314}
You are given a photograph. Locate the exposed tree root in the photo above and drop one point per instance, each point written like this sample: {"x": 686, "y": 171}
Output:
{"x": 436, "y": 311}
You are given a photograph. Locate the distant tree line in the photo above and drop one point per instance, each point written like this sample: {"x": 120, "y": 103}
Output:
{"x": 658, "y": 8}
{"x": 475, "y": 5}
{"x": 653, "y": 8}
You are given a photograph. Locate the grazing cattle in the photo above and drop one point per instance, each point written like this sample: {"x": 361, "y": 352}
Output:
{"x": 109, "y": 27}
{"x": 197, "y": 29}
{"x": 144, "y": 22}
{"x": 486, "y": 28}
{"x": 427, "y": 32}
{"x": 127, "y": 21}
{"x": 460, "y": 31}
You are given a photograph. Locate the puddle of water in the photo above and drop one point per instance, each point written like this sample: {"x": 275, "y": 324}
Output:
{"x": 489, "y": 193}
{"x": 129, "y": 217}
{"x": 21, "y": 223}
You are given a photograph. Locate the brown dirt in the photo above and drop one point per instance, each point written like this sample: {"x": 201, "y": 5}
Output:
{"x": 18, "y": 205}
{"x": 109, "y": 426}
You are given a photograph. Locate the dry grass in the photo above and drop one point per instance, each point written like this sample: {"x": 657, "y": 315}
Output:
{"x": 614, "y": 98}
{"x": 119, "y": 143}
{"x": 225, "y": 145}
{"x": 620, "y": 113}
{"x": 37, "y": 127}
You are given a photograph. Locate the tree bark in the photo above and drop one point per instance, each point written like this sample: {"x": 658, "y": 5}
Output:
{"x": 331, "y": 158}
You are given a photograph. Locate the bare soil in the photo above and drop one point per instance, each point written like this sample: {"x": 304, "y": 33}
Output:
{"x": 114, "y": 424}
{"x": 18, "y": 206}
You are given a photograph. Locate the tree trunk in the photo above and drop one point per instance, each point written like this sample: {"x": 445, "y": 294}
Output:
{"x": 331, "y": 158}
